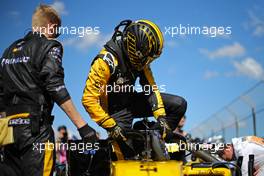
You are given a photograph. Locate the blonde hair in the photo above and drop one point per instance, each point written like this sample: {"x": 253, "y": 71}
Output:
{"x": 45, "y": 14}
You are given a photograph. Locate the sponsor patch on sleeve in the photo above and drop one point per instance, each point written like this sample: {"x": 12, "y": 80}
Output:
{"x": 109, "y": 59}
{"x": 56, "y": 53}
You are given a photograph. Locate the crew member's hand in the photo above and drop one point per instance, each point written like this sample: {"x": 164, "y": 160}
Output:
{"x": 117, "y": 133}
{"x": 165, "y": 128}
{"x": 88, "y": 133}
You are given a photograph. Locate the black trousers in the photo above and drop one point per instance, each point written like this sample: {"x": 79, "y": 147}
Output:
{"x": 124, "y": 108}
{"x": 29, "y": 155}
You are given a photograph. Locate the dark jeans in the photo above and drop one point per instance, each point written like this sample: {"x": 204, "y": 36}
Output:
{"x": 124, "y": 108}
{"x": 23, "y": 158}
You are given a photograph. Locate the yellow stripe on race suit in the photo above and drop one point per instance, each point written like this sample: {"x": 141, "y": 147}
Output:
{"x": 48, "y": 159}
{"x": 160, "y": 110}
{"x": 6, "y": 131}
{"x": 94, "y": 92}
{"x": 20, "y": 115}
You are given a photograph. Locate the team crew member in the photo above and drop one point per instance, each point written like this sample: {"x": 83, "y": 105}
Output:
{"x": 32, "y": 79}
{"x": 2, "y": 105}
{"x": 126, "y": 57}
{"x": 243, "y": 147}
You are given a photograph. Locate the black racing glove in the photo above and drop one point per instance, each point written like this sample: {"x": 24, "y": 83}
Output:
{"x": 117, "y": 133}
{"x": 164, "y": 126}
{"x": 87, "y": 133}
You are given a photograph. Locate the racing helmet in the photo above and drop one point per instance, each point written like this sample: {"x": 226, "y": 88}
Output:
{"x": 142, "y": 42}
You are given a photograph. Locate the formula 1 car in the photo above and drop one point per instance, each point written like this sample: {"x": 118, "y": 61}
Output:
{"x": 146, "y": 154}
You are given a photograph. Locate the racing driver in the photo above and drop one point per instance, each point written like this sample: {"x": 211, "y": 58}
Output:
{"x": 109, "y": 95}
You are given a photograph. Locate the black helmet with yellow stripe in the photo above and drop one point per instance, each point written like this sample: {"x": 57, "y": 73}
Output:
{"x": 142, "y": 42}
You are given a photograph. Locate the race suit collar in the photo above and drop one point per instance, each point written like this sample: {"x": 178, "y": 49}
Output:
{"x": 32, "y": 34}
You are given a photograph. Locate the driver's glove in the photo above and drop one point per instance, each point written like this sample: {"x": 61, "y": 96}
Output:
{"x": 164, "y": 126}
{"x": 88, "y": 134}
{"x": 117, "y": 133}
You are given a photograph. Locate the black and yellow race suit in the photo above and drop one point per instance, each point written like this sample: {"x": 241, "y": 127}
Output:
{"x": 109, "y": 96}
{"x": 32, "y": 80}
